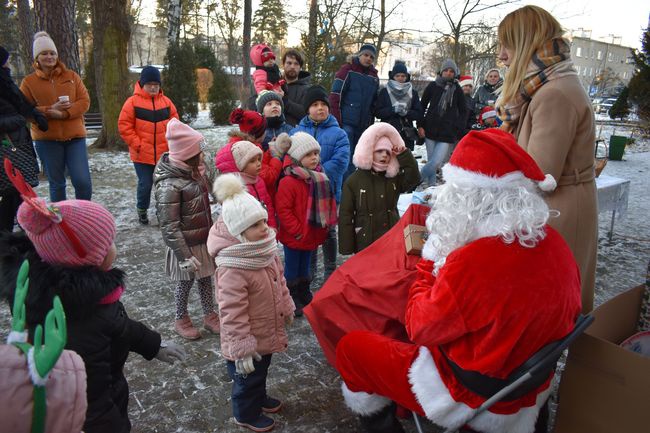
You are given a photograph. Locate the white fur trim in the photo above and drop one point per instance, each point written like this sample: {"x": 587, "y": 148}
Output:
{"x": 440, "y": 407}
{"x": 548, "y": 184}
{"x": 17, "y": 337}
{"x": 37, "y": 380}
{"x": 462, "y": 177}
{"x": 363, "y": 403}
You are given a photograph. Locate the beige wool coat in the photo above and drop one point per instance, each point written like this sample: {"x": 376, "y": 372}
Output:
{"x": 557, "y": 129}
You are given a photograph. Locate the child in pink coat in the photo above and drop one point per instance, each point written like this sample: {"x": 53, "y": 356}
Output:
{"x": 245, "y": 159}
{"x": 267, "y": 73}
{"x": 254, "y": 302}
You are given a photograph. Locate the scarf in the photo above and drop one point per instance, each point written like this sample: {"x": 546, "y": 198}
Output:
{"x": 249, "y": 255}
{"x": 492, "y": 87}
{"x": 272, "y": 73}
{"x": 550, "y": 62}
{"x": 378, "y": 167}
{"x": 447, "y": 97}
{"x": 321, "y": 206}
{"x": 400, "y": 92}
{"x": 275, "y": 122}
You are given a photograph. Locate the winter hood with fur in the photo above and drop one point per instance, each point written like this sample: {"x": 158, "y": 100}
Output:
{"x": 371, "y": 137}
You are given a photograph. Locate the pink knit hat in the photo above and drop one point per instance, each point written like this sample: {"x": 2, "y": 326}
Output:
{"x": 72, "y": 233}
{"x": 243, "y": 151}
{"x": 184, "y": 142}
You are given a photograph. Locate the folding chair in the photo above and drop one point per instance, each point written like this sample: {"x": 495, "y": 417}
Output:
{"x": 530, "y": 375}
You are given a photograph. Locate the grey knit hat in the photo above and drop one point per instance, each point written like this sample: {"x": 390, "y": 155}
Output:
{"x": 449, "y": 64}
{"x": 301, "y": 144}
{"x": 265, "y": 97}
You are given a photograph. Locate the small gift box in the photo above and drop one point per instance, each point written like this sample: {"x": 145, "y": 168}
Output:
{"x": 414, "y": 238}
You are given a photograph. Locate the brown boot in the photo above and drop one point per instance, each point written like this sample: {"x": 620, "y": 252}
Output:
{"x": 185, "y": 329}
{"x": 211, "y": 322}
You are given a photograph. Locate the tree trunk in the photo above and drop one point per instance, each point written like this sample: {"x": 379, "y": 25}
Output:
{"x": 174, "y": 21}
{"x": 246, "y": 48}
{"x": 313, "y": 30}
{"x": 111, "y": 33}
{"x": 57, "y": 17}
{"x": 26, "y": 24}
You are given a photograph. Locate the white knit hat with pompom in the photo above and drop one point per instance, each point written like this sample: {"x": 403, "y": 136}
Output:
{"x": 239, "y": 209}
{"x": 42, "y": 42}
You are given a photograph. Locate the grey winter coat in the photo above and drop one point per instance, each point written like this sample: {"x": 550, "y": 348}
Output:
{"x": 182, "y": 206}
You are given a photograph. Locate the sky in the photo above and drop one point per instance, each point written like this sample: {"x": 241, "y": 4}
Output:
{"x": 626, "y": 18}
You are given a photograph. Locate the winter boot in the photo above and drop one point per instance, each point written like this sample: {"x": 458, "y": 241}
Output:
{"x": 383, "y": 421}
{"x": 304, "y": 291}
{"x": 262, "y": 423}
{"x": 185, "y": 329}
{"x": 142, "y": 217}
{"x": 271, "y": 405}
{"x": 294, "y": 291}
{"x": 211, "y": 322}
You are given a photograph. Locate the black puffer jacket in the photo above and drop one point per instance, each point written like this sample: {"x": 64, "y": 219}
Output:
{"x": 182, "y": 206}
{"x": 102, "y": 334}
{"x": 450, "y": 126}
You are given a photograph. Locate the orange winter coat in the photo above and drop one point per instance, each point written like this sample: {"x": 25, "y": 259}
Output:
{"x": 143, "y": 123}
{"x": 44, "y": 91}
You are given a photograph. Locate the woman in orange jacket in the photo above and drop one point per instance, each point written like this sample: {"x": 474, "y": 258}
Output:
{"x": 142, "y": 125}
{"x": 60, "y": 94}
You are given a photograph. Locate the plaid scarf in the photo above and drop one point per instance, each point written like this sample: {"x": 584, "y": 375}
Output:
{"x": 551, "y": 61}
{"x": 321, "y": 206}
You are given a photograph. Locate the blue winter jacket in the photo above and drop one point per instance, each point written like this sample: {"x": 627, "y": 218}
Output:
{"x": 353, "y": 95}
{"x": 334, "y": 148}
{"x": 272, "y": 133}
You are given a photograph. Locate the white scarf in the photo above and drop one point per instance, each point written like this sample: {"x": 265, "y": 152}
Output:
{"x": 249, "y": 255}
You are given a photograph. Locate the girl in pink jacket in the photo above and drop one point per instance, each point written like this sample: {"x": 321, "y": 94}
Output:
{"x": 267, "y": 73}
{"x": 254, "y": 302}
{"x": 245, "y": 158}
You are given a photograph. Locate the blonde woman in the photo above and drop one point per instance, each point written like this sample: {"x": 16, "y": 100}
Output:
{"x": 543, "y": 104}
{"x": 61, "y": 96}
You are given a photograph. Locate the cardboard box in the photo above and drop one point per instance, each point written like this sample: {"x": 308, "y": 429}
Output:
{"x": 605, "y": 388}
{"x": 414, "y": 237}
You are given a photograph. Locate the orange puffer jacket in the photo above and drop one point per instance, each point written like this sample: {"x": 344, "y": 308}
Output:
{"x": 44, "y": 90}
{"x": 143, "y": 123}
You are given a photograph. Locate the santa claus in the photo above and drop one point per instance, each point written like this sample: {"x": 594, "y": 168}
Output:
{"x": 495, "y": 284}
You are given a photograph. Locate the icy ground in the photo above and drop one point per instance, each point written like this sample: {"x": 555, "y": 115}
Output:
{"x": 193, "y": 397}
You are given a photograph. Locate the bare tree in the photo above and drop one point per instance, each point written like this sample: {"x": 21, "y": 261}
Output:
{"x": 229, "y": 25}
{"x": 26, "y": 31}
{"x": 174, "y": 9}
{"x": 311, "y": 35}
{"x": 246, "y": 47}
{"x": 57, "y": 17}
{"x": 111, "y": 33}
{"x": 461, "y": 23}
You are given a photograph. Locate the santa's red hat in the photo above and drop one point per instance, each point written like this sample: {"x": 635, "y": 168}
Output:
{"x": 493, "y": 159}
{"x": 466, "y": 80}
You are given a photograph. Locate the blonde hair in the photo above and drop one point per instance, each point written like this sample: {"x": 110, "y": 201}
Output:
{"x": 524, "y": 31}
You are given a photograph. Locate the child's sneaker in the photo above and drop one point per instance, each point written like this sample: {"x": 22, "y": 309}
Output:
{"x": 185, "y": 329}
{"x": 271, "y": 405}
{"x": 262, "y": 423}
{"x": 211, "y": 322}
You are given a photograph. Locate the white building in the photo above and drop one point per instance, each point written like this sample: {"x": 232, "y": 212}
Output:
{"x": 411, "y": 52}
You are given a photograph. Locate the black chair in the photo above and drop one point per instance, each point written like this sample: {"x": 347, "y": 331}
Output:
{"x": 530, "y": 375}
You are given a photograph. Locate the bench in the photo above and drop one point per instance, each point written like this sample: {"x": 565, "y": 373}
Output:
{"x": 93, "y": 120}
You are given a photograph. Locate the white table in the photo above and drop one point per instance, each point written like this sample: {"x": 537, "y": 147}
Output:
{"x": 613, "y": 195}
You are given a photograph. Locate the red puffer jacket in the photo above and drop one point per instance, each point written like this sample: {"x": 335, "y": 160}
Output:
{"x": 291, "y": 203}
{"x": 143, "y": 123}
{"x": 271, "y": 167}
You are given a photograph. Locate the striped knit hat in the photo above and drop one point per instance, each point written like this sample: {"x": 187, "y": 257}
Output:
{"x": 81, "y": 234}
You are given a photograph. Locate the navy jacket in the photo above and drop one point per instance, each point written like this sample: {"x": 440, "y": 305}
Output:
{"x": 353, "y": 95}
{"x": 384, "y": 111}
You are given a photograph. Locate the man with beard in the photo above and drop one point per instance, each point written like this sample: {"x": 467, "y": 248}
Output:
{"x": 495, "y": 284}
{"x": 298, "y": 81}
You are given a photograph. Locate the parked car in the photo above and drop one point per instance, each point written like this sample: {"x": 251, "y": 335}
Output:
{"x": 602, "y": 105}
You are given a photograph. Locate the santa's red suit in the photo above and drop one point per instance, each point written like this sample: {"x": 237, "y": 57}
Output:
{"x": 491, "y": 306}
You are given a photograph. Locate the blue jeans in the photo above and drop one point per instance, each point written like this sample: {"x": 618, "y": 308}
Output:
{"x": 436, "y": 153}
{"x": 296, "y": 263}
{"x": 57, "y": 156}
{"x": 353, "y": 135}
{"x": 145, "y": 182}
{"x": 249, "y": 391}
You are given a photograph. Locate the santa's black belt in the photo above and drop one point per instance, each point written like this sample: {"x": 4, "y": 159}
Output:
{"x": 487, "y": 386}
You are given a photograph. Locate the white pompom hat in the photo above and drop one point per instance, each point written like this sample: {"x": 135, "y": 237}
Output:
{"x": 42, "y": 42}
{"x": 239, "y": 209}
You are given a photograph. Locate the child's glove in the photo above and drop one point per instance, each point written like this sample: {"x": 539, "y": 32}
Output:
{"x": 190, "y": 265}
{"x": 170, "y": 352}
{"x": 288, "y": 319}
{"x": 245, "y": 365}
{"x": 280, "y": 146}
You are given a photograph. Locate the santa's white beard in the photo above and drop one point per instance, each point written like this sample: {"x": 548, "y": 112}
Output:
{"x": 461, "y": 215}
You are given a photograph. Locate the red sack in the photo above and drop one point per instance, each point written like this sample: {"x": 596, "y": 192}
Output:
{"x": 369, "y": 291}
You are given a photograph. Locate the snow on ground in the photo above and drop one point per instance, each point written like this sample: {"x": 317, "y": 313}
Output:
{"x": 193, "y": 397}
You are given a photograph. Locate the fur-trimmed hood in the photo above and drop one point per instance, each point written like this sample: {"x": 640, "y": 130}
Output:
{"x": 80, "y": 288}
{"x": 367, "y": 143}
